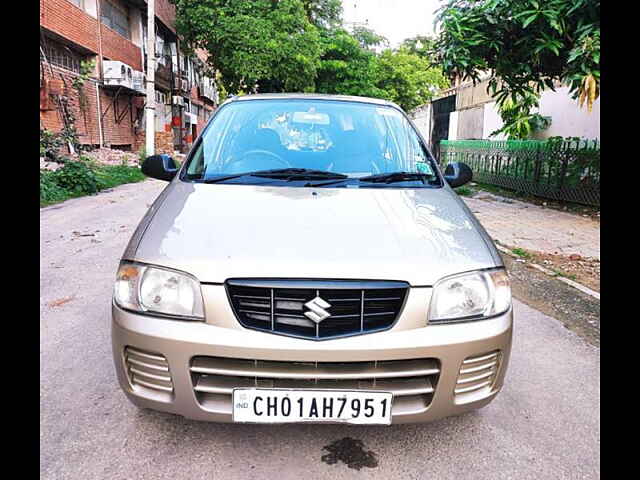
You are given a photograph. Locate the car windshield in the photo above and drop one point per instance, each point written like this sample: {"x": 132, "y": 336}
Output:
{"x": 311, "y": 142}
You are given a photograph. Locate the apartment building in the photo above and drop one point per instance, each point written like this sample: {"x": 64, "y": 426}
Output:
{"x": 92, "y": 62}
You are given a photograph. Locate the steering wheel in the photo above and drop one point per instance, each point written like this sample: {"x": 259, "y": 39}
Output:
{"x": 264, "y": 160}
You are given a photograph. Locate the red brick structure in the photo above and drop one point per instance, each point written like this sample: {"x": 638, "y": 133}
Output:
{"x": 74, "y": 32}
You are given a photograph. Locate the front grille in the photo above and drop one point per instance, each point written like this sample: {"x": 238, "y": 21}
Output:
{"x": 412, "y": 382}
{"x": 355, "y": 307}
{"x": 478, "y": 373}
{"x": 148, "y": 370}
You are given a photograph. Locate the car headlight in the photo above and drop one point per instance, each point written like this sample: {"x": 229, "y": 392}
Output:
{"x": 144, "y": 288}
{"x": 470, "y": 296}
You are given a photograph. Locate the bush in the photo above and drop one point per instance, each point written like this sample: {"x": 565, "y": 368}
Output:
{"x": 50, "y": 191}
{"x": 50, "y": 144}
{"x": 77, "y": 178}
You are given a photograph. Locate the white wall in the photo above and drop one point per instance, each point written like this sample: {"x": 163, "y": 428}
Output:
{"x": 422, "y": 118}
{"x": 453, "y": 126}
{"x": 567, "y": 118}
{"x": 491, "y": 122}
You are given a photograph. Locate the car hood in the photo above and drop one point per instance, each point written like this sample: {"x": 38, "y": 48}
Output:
{"x": 223, "y": 231}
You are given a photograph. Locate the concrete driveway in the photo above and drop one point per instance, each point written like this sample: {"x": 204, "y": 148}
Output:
{"x": 544, "y": 424}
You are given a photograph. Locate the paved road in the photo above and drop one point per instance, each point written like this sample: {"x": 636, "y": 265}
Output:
{"x": 544, "y": 424}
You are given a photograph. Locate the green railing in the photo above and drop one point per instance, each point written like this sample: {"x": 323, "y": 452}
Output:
{"x": 559, "y": 169}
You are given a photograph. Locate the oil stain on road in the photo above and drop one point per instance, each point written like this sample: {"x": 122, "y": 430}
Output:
{"x": 350, "y": 451}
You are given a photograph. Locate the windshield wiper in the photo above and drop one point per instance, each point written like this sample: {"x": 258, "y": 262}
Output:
{"x": 299, "y": 174}
{"x": 286, "y": 174}
{"x": 394, "y": 177}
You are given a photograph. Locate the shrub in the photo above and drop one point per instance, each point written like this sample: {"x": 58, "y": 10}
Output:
{"x": 50, "y": 191}
{"x": 50, "y": 144}
{"x": 77, "y": 178}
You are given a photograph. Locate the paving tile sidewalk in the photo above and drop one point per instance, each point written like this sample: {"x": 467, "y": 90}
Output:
{"x": 532, "y": 227}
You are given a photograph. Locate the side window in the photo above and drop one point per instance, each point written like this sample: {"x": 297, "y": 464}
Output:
{"x": 196, "y": 167}
{"x": 115, "y": 18}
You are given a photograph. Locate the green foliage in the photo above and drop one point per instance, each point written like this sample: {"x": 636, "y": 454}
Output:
{"x": 522, "y": 253}
{"x": 421, "y": 45}
{"x": 87, "y": 67}
{"x": 109, "y": 176}
{"x": 142, "y": 154}
{"x": 345, "y": 67}
{"x": 50, "y": 144}
{"x": 50, "y": 191}
{"x": 525, "y": 44}
{"x": 464, "y": 191}
{"x": 324, "y": 14}
{"x": 79, "y": 178}
{"x": 262, "y": 44}
{"x": 300, "y": 45}
{"x": 407, "y": 79}
{"x": 518, "y": 121}
{"x": 369, "y": 39}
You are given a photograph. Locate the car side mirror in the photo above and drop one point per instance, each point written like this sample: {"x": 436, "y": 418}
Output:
{"x": 457, "y": 174}
{"x": 162, "y": 167}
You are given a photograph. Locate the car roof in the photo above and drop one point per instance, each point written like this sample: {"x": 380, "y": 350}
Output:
{"x": 312, "y": 96}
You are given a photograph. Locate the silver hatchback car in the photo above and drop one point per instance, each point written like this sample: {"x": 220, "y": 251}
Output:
{"x": 309, "y": 262}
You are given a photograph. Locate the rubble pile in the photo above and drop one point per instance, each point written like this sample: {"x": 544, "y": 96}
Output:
{"x": 48, "y": 165}
{"x": 108, "y": 156}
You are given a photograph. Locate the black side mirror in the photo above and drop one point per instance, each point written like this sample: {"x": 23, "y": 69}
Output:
{"x": 457, "y": 174}
{"x": 162, "y": 167}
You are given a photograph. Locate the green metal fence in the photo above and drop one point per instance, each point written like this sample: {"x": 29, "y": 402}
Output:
{"x": 558, "y": 169}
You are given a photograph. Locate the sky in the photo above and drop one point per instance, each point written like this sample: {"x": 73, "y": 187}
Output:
{"x": 394, "y": 19}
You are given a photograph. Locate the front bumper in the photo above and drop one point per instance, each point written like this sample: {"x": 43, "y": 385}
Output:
{"x": 473, "y": 346}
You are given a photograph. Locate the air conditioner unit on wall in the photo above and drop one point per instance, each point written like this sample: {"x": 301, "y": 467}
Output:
{"x": 184, "y": 85}
{"x": 178, "y": 100}
{"x": 118, "y": 74}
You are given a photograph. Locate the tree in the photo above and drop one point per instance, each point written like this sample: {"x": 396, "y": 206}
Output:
{"x": 345, "y": 67}
{"x": 324, "y": 14}
{"x": 264, "y": 45}
{"x": 527, "y": 45}
{"x": 408, "y": 79}
{"x": 369, "y": 39}
{"x": 421, "y": 45}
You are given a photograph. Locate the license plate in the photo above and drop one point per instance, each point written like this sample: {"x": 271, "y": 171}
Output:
{"x": 267, "y": 405}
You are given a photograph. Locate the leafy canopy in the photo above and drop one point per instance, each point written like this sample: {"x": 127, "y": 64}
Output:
{"x": 408, "y": 79}
{"x": 345, "y": 67}
{"x": 324, "y": 14}
{"x": 525, "y": 44}
{"x": 250, "y": 42}
{"x": 301, "y": 45}
{"x": 421, "y": 45}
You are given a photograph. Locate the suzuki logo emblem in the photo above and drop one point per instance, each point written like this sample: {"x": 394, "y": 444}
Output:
{"x": 317, "y": 307}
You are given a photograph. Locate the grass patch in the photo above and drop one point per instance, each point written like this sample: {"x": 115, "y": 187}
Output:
{"x": 80, "y": 178}
{"x": 521, "y": 253}
{"x": 570, "y": 276}
{"x": 110, "y": 176}
{"x": 464, "y": 191}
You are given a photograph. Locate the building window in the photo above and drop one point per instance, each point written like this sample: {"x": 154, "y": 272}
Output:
{"x": 115, "y": 18}
{"x": 78, "y": 3}
{"x": 61, "y": 56}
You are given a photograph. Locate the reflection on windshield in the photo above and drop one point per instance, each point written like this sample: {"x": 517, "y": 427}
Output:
{"x": 350, "y": 138}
